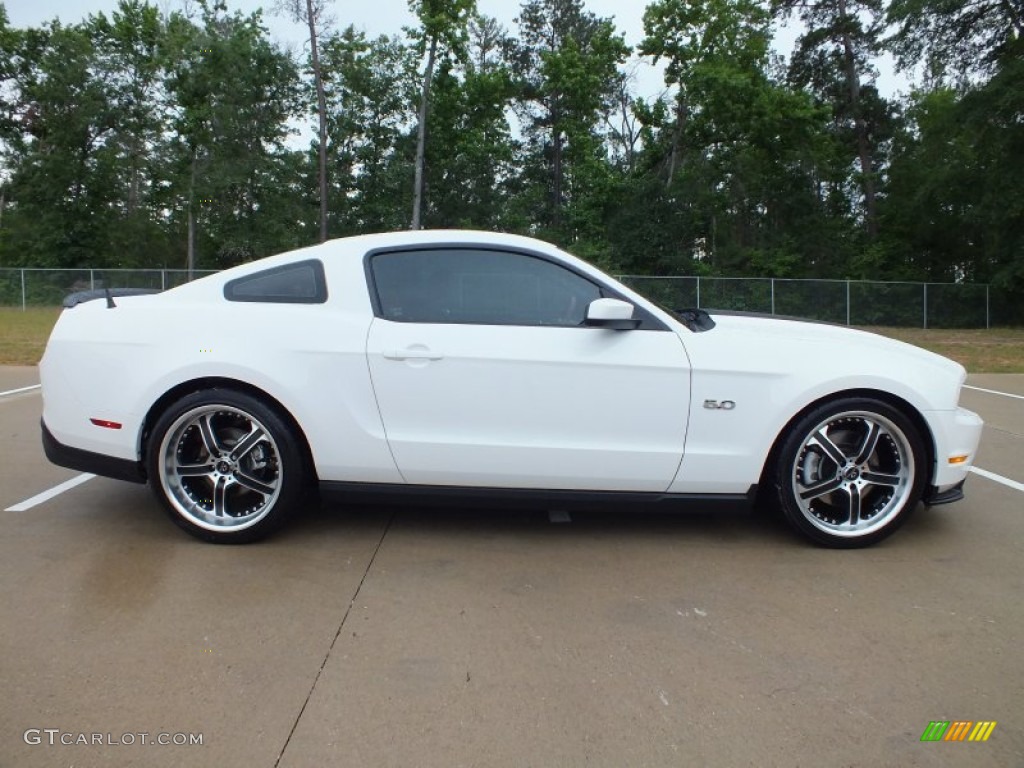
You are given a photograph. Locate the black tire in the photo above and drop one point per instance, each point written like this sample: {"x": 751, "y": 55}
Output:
{"x": 225, "y": 466}
{"x": 850, "y": 472}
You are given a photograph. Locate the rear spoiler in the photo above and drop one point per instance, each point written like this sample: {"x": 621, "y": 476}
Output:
{"x": 80, "y": 297}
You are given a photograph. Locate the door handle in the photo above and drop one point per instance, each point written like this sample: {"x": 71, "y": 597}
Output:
{"x": 416, "y": 352}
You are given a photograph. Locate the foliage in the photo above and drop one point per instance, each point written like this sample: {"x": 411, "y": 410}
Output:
{"x": 567, "y": 69}
{"x": 956, "y": 208}
{"x": 369, "y": 86}
{"x": 471, "y": 157}
{"x": 152, "y": 138}
{"x": 955, "y": 39}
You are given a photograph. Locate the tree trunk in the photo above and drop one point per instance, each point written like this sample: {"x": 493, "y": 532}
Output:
{"x": 135, "y": 184}
{"x": 677, "y": 140}
{"x": 190, "y": 266}
{"x": 421, "y": 137}
{"x": 863, "y": 150}
{"x": 190, "y": 262}
{"x": 321, "y": 100}
{"x": 557, "y": 169}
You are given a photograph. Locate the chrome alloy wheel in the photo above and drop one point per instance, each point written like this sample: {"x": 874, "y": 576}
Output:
{"x": 220, "y": 468}
{"x": 853, "y": 473}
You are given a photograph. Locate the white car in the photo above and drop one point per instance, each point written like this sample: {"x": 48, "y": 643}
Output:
{"x": 490, "y": 367}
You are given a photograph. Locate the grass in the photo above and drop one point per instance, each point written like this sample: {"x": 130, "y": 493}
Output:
{"x": 994, "y": 350}
{"x": 23, "y": 333}
{"x": 23, "y": 337}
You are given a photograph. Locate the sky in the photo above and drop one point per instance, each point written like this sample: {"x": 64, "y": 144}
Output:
{"x": 389, "y": 16}
{"x": 378, "y": 17}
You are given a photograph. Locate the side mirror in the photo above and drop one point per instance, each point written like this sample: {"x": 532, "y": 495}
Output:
{"x": 611, "y": 313}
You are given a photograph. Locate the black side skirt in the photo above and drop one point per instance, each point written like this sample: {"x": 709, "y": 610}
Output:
{"x": 432, "y": 495}
{"x": 443, "y": 495}
{"x": 87, "y": 461}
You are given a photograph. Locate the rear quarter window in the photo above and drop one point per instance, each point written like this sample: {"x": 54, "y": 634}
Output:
{"x": 302, "y": 282}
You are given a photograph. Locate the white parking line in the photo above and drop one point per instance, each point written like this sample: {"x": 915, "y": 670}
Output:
{"x": 994, "y": 392}
{"x": 67, "y": 485}
{"x": 998, "y": 478}
{"x": 39, "y": 498}
{"x": 21, "y": 389}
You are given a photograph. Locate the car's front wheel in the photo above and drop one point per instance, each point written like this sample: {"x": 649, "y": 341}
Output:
{"x": 850, "y": 472}
{"x": 225, "y": 466}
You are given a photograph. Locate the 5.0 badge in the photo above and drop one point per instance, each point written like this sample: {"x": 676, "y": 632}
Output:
{"x": 720, "y": 405}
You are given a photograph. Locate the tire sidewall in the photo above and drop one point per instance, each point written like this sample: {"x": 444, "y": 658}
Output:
{"x": 293, "y": 471}
{"x": 793, "y": 442}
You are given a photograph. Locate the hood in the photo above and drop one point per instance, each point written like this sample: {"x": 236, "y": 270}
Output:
{"x": 823, "y": 358}
{"x": 793, "y": 330}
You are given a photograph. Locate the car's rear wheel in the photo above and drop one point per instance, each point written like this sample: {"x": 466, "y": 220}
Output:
{"x": 225, "y": 466}
{"x": 850, "y": 472}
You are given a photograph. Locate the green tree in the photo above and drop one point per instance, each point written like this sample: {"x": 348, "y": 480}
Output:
{"x": 442, "y": 32}
{"x": 833, "y": 59}
{"x": 232, "y": 93}
{"x": 313, "y": 13}
{"x": 472, "y": 153}
{"x": 927, "y": 212}
{"x": 956, "y": 205}
{"x": 129, "y": 60}
{"x": 954, "y": 39}
{"x": 567, "y": 64}
{"x": 369, "y": 87}
{"x": 10, "y": 49}
{"x": 735, "y": 151}
{"x": 696, "y": 40}
{"x": 61, "y": 187}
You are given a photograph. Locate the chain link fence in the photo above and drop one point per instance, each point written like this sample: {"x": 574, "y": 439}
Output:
{"x": 848, "y": 302}
{"x": 31, "y": 287}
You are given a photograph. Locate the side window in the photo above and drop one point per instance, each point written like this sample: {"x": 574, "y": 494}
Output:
{"x": 300, "y": 283}
{"x": 484, "y": 287}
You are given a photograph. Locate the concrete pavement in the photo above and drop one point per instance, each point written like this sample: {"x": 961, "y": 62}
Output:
{"x": 418, "y": 637}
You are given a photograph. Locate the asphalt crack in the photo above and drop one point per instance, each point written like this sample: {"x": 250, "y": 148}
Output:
{"x": 330, "y": 649}
{"x": 1011, "y": 433}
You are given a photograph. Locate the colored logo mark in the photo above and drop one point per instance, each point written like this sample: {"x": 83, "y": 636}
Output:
{"x": 958, "y": 730}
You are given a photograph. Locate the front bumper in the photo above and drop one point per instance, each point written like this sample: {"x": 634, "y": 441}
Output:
{"x": 934, "y": 496}
{"x": 956, "y": 434}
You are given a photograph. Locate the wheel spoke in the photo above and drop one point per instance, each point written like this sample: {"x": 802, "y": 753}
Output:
{"x": 209, "y": 438}
{"x": 870, "y": 443}
{"x": 221, "y": 468}
{"x": 830, "y": 448}
{"x": 881, "y": 478}
{"x": 247, "y": 444}
{"x": 851, "y": 473}
{"x": 854, "y": 494}
{"x": 820, "y": 489}
{"x": 194, "y": 470}
{"x": 220, "y": 497}
{"x": 250, "y": 482}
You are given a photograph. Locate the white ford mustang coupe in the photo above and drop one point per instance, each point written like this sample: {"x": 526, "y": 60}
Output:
{"x": 491, "y": 367}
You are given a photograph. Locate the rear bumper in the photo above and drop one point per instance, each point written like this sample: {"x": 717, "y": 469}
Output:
{"x": 87, "y": 461}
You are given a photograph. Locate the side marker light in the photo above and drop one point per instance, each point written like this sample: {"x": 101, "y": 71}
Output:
{"x": 105, "y": 424}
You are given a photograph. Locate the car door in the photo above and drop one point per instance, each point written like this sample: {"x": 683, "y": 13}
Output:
{"x": 485, "y": 375}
